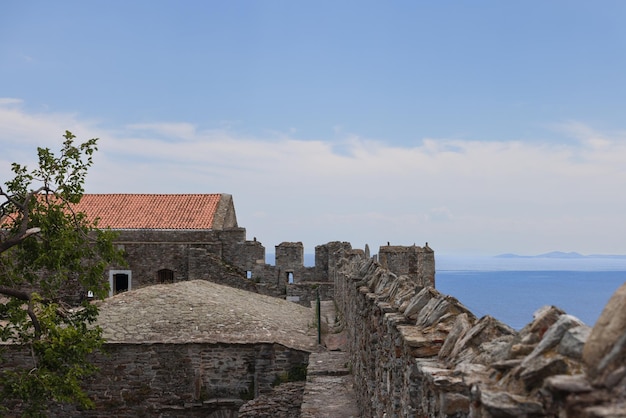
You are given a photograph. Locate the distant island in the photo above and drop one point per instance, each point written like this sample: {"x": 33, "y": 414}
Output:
{"x": 560, "y": 254}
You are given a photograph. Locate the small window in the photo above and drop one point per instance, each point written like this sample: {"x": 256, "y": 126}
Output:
{"x": 248, "y": 274}
{"x": 165, "y": 276}
{"x": 290, "y": 277}
{"x": 119, "y": 281}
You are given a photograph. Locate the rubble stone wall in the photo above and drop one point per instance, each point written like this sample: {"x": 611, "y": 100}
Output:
{"x": 179, "y": 379}
{"x": 418, "y": 353}
{"x": 305, "y": 293}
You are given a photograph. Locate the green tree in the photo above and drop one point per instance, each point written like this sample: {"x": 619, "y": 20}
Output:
{"x": 47, "y": 249}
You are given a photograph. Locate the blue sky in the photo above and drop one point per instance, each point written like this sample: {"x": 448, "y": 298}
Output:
{"x": 481, "y": 127}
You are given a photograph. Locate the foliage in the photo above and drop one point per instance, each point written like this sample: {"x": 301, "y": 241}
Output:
{"x": 48, "y": 250}
{"x": 295, "y": 374}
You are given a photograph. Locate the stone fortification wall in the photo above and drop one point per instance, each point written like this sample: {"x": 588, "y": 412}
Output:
{"x": 306, "y": 293}
{"x": 418, "y": 353}
{"x": 290, "y": 255}
{"x": 218, "y": 256}
{"x": 179, "y": 379}
{"x": 225, "y": 257}
{"x": 414, "y": 262}
{"x": 290, "y": 279}
{"x": 237, "y": 251}
{"x": 327, "y": 257}
{"x": 247, "y": 255}
{"x": 206, "y": 266}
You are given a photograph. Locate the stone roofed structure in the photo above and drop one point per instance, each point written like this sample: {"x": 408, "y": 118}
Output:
{"x": 191, "y": 349}
{"x": 201, "y": 311}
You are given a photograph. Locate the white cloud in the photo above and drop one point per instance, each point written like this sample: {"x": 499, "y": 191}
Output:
{"x": 7, "y": 101}
{"x": 480, "y": 196}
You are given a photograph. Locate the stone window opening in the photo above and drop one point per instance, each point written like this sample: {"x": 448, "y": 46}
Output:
{"x": 290, "y": 277}
{"x": 165, "y": 276}
{"x": 248, "y": 274}
{"x": 119, "y": 281}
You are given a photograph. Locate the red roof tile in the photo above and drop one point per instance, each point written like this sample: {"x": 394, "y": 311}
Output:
{"x": 151, "y": 211}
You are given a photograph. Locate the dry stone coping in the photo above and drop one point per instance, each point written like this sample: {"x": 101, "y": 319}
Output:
{"x": 200, "y": 311}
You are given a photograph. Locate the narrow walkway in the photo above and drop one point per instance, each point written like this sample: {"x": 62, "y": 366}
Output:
{"x": 329, "y": 390}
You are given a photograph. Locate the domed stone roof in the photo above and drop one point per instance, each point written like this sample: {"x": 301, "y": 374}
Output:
{"x": 201, "y": 311}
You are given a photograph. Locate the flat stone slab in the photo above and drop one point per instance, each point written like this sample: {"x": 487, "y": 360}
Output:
{"x": 200, "y": 311}
{"x": 329, "y": 390}
{"x": 329, "y": 363}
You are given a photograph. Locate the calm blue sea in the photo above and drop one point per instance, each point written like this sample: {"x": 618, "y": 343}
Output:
{"x": 512, "y": 289}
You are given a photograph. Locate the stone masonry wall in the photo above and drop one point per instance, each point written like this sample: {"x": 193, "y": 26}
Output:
{"x": 413, "y": 261}
{"x": 225, "y": 257}
{"x": 305, "y": 293}
{"x": 418, "y": 353}
{"x": 219, "y": 256}
{"x": 179, "y": 379}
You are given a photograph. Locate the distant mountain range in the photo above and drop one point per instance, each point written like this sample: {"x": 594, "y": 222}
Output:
{"x": 560, "y": 254}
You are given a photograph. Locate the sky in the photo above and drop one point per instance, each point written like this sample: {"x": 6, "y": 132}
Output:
{"x": 480, "y": 127}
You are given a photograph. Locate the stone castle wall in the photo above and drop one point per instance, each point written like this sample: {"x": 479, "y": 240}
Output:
{"x": 418, "y": 353}
{"x": 191, "y": 379}
{"x": 224, "y": 257}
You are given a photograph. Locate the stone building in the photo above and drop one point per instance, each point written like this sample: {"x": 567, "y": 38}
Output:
{"x": 189, "y": 349}
{"x": 172, "y": 238}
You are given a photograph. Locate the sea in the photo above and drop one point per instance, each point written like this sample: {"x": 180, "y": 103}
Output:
{"x": 512, "y": 289}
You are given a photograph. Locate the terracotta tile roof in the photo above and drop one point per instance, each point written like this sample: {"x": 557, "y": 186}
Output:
{"x": 151, "y": 211}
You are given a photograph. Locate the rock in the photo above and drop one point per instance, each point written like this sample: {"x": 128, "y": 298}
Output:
{"x": 282, "y": 402}
{"x": 486, "y": 329}
{"x": 573, "y": 342}
{"x": 494, "y": 351}
{"x": 519, "y": 350}
{"x": 440, "y": 309}
{"x": 614, "y": 360}
{"x": 418, "y": 302}
{"x": 615, "y": 378}
{"x": 535, "y": 371}
{"x": 608, "y": 411}
{"x": 568, "y": 383}
{"x": 454, "y": 403}
{"x": 462, "y": 324}
{"x": 433, "y": 311}
{"x": 543, "y": 318}
{"x": 502, "y": 404}
{"x": 553, "y": 336}
{"x": 506, "y": 365}
{"x": 610, "y": 327}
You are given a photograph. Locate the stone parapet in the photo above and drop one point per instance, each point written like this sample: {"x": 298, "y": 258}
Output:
{"x": 415, "y": 352}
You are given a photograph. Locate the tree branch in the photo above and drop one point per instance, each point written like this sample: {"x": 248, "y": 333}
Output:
{"x": 27, "y": 297}
{"x": 16, "y": 239}
{"x": 23, "y": 231}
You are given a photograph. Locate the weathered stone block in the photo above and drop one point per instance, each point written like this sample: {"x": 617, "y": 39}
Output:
{"x": 608, "y": 330}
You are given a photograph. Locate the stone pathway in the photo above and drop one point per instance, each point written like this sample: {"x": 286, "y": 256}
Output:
{"x": 329, "y": 390}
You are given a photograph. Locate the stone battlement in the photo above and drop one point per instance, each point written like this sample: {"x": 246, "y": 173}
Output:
{"x": 418, "y": 353}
